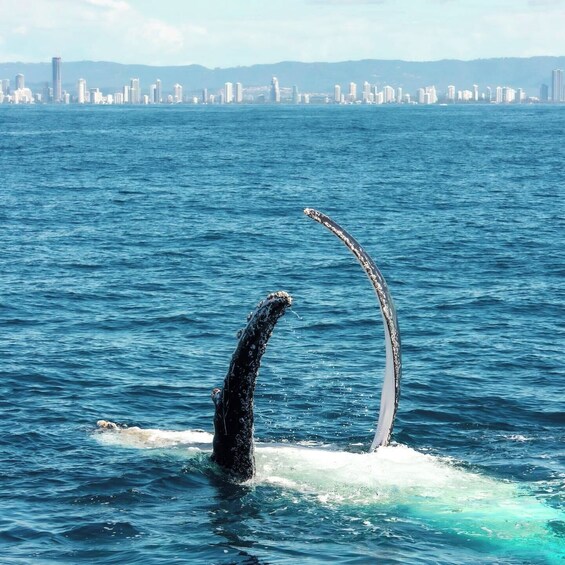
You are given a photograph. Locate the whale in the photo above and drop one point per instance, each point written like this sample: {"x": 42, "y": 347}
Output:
{"x": 387, "y": 477}
{"x": 390, "y": 393}
{"x": 233, "y": 418}
{"x": 233, "y": 439}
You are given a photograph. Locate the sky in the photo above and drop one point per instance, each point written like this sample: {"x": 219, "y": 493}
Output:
{"x": 227, "y": 33}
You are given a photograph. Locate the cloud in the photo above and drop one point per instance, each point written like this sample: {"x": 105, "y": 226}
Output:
{"x": 160, "y": 35}
{"x": 546, "y": 3}
{"x": 346, "y": 2}
{"x": 87, "y": 29}
{"x": 169, "y": 33}
{"x": 112, "y": 4}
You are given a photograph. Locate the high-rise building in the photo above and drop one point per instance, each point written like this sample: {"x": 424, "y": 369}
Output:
{"x": 81, "y": 91}
{"x": 238, "y": 92}
{"x": 451, "y": 93}
{"x": 95, "y": 96}
{"x": 5, "y": 86}
{"x": 275, "y": 90}
{"x": 399, "y": 95}
{"x": 57, "y": 89}
{"x": 508, "y": 95}
{"x": 158, "y": 92}
{"x": 152, "y": 94}
{"x": 20, "y": 82}
{"x": 520, "y": 96}
{"x": 498, "y": 96}
{"x": 427, "y": 95}
{"x": 388, "y": 93}
{"x": 476, "y": 92}
{"x": 228, "y": 93}
{"x": 366, "y": 91}
{"x": 544, "y": 93}
{"x": 421, "y": 95}
{"x": 135, "y": 91}
{"x": 204, "y": 96}
{"x": 47, "y": 93}
{"x": 557, "y": 85}
{"x": 126, "y": 93}
{"x": 295, "y": 95}
{"x": 352, "y": 92}
{"x": 177, "y": 93}
{"x": 337, "y": 94}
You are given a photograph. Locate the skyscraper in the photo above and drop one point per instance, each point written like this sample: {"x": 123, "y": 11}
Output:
{"x": 275, "y": 90}
{"x": 295, "y": 95}
{"x": 228, "y": 93}
{"x": 158, "y": 92}
{"x": 152, "y": 94}
{"x": 544, "y": 93}
{"x": 57, "y": 90}
{"x": 177, "y": 93}
{"x": 388, "y": 93}
{"x": 20, "y": 82}
{"x": 238, "y": 92}
{"x": 557, "y": 86}
{"x": 81, "y": 91}
{"x": 337, "y": 94}
{"x": 352, "y": 92}
{"x": 366, "y": 91}
{"x": 134, "y": 91}
{"x": 5, "y": 86}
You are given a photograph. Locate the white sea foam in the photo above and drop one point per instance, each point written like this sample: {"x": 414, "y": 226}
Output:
{"x": 397, "y": 476}
{"x": 148, "y": 438}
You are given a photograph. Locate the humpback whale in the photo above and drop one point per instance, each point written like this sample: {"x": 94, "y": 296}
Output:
{"x": 233, "y": 443}
{"x": 394, "y": 478}
{"x": 233, "y": 418}
{"x": 393, "y": 369}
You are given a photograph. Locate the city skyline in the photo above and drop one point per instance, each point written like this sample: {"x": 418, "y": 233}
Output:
{"x": 370, "y": 94}
{"x": 220, "y": 34}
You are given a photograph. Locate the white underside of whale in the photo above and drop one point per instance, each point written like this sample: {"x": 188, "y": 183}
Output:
{"x": 427, "y": 487}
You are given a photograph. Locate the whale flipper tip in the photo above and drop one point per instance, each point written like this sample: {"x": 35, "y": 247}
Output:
{"x": 282, "y": 296}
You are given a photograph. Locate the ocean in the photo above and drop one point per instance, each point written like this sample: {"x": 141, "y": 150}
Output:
{"x": 135, "y": 241}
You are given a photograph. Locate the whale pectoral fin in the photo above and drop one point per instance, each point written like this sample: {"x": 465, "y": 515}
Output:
{"x": 391, "y": 386}
{"x": 233, "y": 418}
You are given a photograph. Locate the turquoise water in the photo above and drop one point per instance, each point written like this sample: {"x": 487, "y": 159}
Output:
{"x": 136, "y": 240}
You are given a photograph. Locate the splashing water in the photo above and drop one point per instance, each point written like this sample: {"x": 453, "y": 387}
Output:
{"x": 431, "y": 489}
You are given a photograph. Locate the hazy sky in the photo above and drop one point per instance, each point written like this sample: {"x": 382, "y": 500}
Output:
{"x": 222, "y": 33}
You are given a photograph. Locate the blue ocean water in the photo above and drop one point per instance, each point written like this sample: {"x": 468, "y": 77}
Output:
{"x": 135, "y": 241}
